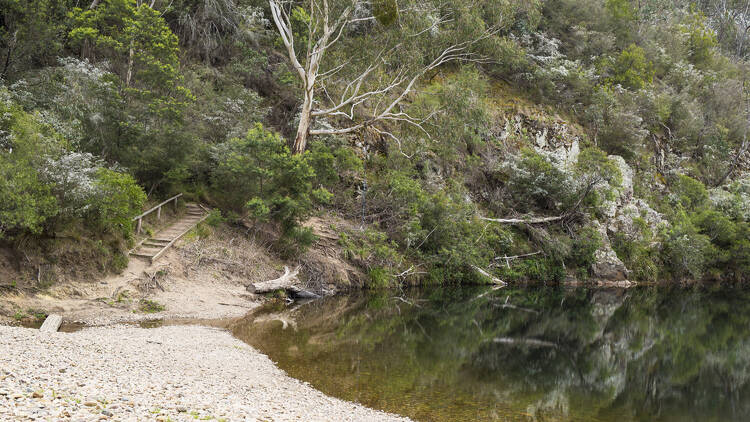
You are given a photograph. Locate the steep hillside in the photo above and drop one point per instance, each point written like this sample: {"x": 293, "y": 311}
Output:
{"x": 432, "y": 141}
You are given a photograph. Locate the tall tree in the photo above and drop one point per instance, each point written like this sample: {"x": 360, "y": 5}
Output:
{"x": 373, "y": 92}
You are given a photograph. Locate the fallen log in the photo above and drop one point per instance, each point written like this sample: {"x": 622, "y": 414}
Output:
{"x": 51, "y": 324}
{"x": 543, "y": 220}
{"x": 284, "y": 282}
{"x": 540, "y": 220}
{"x": 489, "y": 276}
{"x": 301, "y": 293}
{"x": 524, "y": 342}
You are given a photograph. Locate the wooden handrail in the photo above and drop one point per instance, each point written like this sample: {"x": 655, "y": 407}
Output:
{"x": 156, "y": 207}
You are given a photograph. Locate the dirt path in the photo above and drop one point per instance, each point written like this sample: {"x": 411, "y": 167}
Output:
{"x": 199, "y": 279}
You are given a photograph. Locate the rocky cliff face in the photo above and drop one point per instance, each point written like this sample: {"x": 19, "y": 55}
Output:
{"x": 621, "y": 213}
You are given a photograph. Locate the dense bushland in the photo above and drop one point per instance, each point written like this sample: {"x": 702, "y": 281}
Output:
{"x": 108, "y": 103}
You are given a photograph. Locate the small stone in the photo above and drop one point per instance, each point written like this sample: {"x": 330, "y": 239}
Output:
{"x": 37, "y": 395}
{"x": 90, "y": 403}
{"x": 181, "y": 409}
{"x": 106, "y": 413}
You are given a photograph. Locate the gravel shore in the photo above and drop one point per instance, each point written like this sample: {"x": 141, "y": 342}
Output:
{"x": 170, "y": 373}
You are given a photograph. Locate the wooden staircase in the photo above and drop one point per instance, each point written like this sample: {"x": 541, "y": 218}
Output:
{"x": 153, "y": 248}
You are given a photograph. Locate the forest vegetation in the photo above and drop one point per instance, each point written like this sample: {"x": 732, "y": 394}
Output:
{"x": 559, "y": 133}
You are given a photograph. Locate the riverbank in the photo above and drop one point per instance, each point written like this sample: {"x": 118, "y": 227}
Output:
{"x": 204, "y": 276}
{"x": 199, "y": 278}
{"x": 169, "y": 373}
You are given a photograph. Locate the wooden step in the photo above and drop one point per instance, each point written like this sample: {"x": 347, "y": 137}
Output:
{"x": 141, "y": 255}
{"x": 155, "y": 240}
{"x": 155, "y": 246}
{"x": 151, "y": 251}
{"x": 148, "y": 249}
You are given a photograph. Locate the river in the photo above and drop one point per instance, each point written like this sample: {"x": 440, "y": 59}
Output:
{"x": 521, "y": 354}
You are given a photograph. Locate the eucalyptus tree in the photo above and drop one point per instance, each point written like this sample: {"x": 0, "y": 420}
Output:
{"x": 383, "y": 50}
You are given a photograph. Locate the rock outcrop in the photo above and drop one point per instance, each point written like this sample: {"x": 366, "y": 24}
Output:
{"x": 607, "y": 266}
{"x": 622, "y": 213}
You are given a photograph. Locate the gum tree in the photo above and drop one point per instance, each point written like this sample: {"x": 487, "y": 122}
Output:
{"x": 362, "y": 94}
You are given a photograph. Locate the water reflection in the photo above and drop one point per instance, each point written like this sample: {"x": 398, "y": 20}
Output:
{"x": 645, "y": 354}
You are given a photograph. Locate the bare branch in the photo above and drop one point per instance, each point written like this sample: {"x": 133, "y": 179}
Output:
{"x": 539, "y": 220}
{"x": 489, "y": 276}
{"x": 282, "y": 24}
{"x": 386, "y": 92}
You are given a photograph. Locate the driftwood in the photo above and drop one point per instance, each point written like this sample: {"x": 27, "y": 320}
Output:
{"x": 523, "y": 220}
{"x": 489, "y": 276}
{"x": 285, "y": 282}
{"x": 511, "y": 258}
{"x": 524, "y": 341}
{"x": 51, "y": 324}
{"x": 302, "y": 294}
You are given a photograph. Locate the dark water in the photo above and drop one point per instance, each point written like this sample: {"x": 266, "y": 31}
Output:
{"x": 552, "y": 354}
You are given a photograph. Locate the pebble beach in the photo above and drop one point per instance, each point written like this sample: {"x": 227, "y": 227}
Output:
{"x": 173, "y": 373}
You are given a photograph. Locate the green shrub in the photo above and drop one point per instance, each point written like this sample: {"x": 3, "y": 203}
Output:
{"x": 117, "y": 200}
{"x": 295, "y": 241}
{"x": 690, "y": 193}
{"x": 214, "y": 218}
{"x": 534, "y": 270}
{"x": 258, "y": 175}
{"x": 534, "y": 181}
{"x": 631, "y": 69}
{"x": 687, "y": 252}
{"x": 639, "y": 256}
{"x": 720, "y": 229}
{"x": 740, "y": 253}
{"x": 150, "y": 306}
{"x": 587, "y": 241}
{"x": 27, "y": 201}
{"x": 119, "y": 262}
{"x": 701, "y": 38}
{"x": 379, "y": 278}
{"x": 372, "y": 249}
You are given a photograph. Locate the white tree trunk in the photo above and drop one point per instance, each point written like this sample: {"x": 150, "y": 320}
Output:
{"x": 284, "y": 282}
{"x": 305, "y": 120}
{"x": 129, "y": 75}
{"x": 324, "y": 30}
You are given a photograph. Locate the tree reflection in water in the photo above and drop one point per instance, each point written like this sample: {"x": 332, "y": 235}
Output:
{"x": 546, "y": 354}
